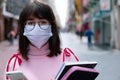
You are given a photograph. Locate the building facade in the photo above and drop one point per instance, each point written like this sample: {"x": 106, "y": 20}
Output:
{"x": 1, "y": 22}
{"x": 117, "y": 23}
{"x": 102, "y": 22}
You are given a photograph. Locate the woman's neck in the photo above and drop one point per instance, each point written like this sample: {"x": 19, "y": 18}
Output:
{"x": 43, "y": 51}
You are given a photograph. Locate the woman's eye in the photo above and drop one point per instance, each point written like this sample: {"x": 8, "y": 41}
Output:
{"x": 30, "y": 23}
{"x": 43, "y": 22}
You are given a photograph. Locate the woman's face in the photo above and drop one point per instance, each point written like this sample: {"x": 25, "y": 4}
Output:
{"x": 38, "y": 31}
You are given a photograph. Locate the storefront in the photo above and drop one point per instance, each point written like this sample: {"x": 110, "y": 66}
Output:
{"x": 102, "y": 24}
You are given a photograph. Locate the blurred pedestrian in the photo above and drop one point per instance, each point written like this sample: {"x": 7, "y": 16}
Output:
{"x": 79, "y": 31}
{"x": 11, "y": 36}
{"x": 39, "y": 56}
{"x": 89, "y": 35}
{"x": 97, "y": 35}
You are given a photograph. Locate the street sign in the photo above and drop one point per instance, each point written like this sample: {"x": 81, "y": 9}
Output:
{"x": 105, "y": 5}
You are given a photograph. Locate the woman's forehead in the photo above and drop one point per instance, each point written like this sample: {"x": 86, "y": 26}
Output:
{"x": 33, "y": 17}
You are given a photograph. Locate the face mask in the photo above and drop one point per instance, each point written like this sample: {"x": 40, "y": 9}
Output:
{"x": 36, "y": 35}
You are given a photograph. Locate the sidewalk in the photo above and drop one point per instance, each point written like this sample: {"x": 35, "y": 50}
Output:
{"x": 6, "y": 50}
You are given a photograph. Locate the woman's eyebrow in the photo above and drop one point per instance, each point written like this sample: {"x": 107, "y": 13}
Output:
{"x": 30, "y": 19}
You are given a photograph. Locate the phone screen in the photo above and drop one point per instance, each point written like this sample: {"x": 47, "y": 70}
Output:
{"x": 16, "y": 75}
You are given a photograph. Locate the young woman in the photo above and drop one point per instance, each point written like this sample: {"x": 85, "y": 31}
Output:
{"x": 39, "y": 56}
{"x": 39, "y": 43}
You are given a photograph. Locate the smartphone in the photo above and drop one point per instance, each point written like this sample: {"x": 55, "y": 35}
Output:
{"x": 16, "y": 75}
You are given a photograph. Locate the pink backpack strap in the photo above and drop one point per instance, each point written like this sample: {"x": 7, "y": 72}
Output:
{"x": 16, "y": 56}
{"x": 68, "y": 52}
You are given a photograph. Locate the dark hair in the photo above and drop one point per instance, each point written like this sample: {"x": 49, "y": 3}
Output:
{"x": 39, "y": 10}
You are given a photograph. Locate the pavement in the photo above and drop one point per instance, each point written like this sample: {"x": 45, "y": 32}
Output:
{"x": 108, "y": 60}
{"x": 6, "y": 50}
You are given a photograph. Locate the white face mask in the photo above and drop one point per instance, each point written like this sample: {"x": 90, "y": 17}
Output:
{"x": 37, "y": 36}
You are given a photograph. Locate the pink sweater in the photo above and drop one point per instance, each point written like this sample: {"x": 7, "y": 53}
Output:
{"x": 39, "y": 66}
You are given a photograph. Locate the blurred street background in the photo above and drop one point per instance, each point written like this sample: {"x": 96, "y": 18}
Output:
{"x": 77, "y": 20}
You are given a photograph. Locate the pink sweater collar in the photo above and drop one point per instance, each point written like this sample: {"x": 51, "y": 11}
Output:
{"x": 39, "y": 51}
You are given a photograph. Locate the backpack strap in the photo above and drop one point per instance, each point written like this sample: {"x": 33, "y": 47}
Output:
{"x": 67, "y": 52}
{"x": 16, "y": 57}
